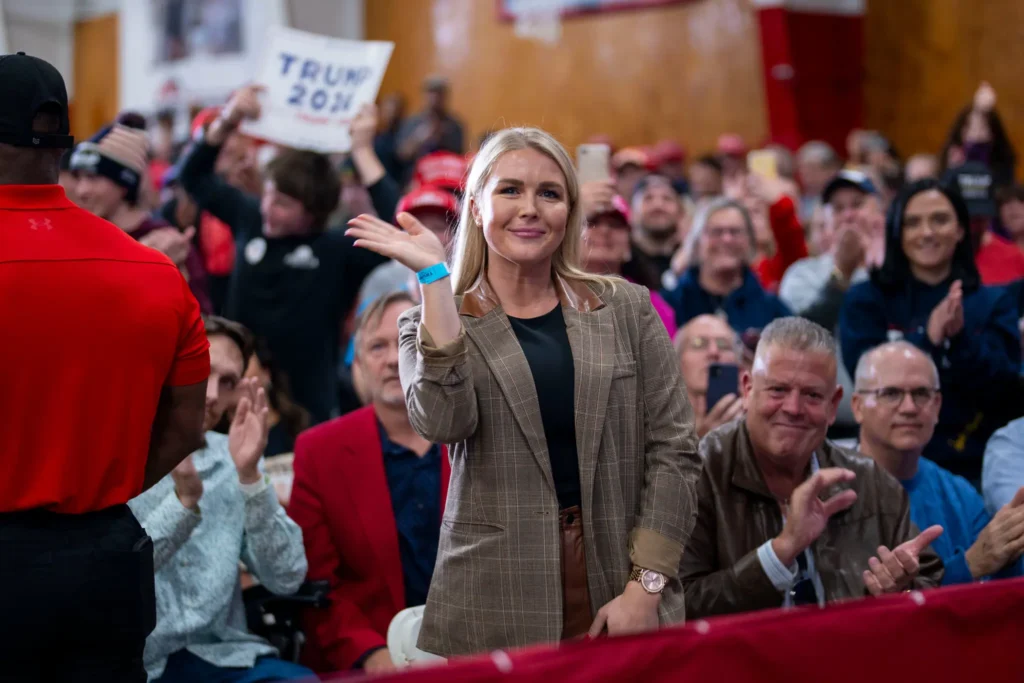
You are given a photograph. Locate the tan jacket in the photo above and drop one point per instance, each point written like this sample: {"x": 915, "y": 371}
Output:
{"x": 497, "y": 582}
{"x": 736, "y": 514}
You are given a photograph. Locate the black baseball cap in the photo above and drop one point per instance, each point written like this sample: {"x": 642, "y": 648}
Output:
{"x": 973, "y": 181}
{"x": 857, "y": 180}
{"x": 27, "y": 84}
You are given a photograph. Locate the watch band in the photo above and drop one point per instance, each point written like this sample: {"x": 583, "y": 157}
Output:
{"x": 436, "y": 272}
{"x": 651, "y": 581}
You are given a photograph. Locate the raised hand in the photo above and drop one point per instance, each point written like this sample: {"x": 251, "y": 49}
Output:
{"x": 174, "y": 244}
{"x": 893, "y": 571}
{"x": 985, "y": 97}
{"x": 807, "y": 514}
{"x": 415, "y": 247}
{"x": 244, "y": 104}
{"x": 849, "y": 252}
{"x": 363, "y": 128}
{"x": 596, "y": 197}
{"x": 187, "y": 484}
{"x": 947, "y": 318}
{"x": 956, "y": 309}
{"x": 1000, "y": 542}
{"x": 728, "y": 408}
{"x": 247, "y": 437}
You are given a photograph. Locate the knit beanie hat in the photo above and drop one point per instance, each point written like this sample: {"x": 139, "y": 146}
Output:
{"x": 118, "y": 153}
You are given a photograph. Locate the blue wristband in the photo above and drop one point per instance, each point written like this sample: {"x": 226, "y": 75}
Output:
{"x": 436, "y": 272}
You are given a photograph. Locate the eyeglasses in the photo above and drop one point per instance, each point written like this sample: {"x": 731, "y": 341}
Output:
{"x": 893, "y": 396}
{"x": 701, "y": 343}
{"x": 720, "y": 232}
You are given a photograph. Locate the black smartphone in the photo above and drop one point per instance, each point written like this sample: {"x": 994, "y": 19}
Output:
{"x": 723, "y": 379}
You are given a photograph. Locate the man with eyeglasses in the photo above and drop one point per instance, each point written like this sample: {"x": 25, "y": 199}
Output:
{"x": 785, "y": 517}
{"x": 896, "y": 403}
{"x": 705, "y": 340}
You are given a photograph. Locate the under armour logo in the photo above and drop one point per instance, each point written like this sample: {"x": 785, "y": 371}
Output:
{"x": 36, "y": 224}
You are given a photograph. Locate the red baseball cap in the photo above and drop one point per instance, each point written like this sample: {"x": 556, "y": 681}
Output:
{"x": 204, "y": 118}
{"x": 619, "y": 208}
{"x": 731, "y": 144}
{"x": 667, "y": 151}
{"x": 637, "y": 156}
{"x": 428, "y": 197}
{"x": 445, "y": 170}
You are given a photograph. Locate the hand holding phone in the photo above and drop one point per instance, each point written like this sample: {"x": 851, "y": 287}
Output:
{"x": 593, "y": 163}
{"x": 723, "y": 381}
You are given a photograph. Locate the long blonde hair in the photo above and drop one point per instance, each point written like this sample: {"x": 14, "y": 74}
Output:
{"x": 469, "y": 251}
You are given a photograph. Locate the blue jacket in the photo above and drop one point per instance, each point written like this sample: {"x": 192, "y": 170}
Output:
{"x": 976, "y": 368}
{"x": 749, "y": 307}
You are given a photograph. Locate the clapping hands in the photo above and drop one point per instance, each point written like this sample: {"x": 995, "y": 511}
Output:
{"x": 247, "y": 437}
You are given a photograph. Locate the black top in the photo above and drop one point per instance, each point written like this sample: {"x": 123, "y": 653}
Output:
{"x": 294, "y": 291}
{"x": 545, "y": 344}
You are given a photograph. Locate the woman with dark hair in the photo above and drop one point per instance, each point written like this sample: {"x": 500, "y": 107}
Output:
{"x": 287, "y": 418}
{"x": 978, "y": 134}
{"x": 928, "y": 292}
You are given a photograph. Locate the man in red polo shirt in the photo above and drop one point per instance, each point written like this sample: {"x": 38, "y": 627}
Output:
{"x": 102, "y": 393}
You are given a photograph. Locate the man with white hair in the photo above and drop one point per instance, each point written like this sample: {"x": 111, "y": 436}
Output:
{"x": 771, "y": 483}
{"x": 897, "y": 403}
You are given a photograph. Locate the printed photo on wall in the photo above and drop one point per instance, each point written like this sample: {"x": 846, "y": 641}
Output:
{"x": 176, "y": 53}
{"x": 193, "y": 27}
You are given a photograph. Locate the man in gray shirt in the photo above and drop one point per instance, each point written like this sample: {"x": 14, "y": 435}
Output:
{"x": 215, "y": 510}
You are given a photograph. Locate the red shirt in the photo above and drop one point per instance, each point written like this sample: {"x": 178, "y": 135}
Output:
{"x": 790, "y": 245}
{"x": 94, "y": 325}
{"x": 999, "y": 261}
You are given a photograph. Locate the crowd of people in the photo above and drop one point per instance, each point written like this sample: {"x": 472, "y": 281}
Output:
{"x": 522, "y": 408}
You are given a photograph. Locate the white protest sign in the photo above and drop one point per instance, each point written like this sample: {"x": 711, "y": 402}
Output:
{"x": 314, "y": 86}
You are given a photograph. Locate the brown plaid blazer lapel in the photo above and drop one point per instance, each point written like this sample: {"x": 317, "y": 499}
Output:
{"x": 500, "y": 348}
{"x": 592, "y": 338}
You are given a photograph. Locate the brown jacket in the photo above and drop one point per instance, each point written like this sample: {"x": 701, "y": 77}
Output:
{"x": 497, "y": 582}
{"x": 736, "y": 514}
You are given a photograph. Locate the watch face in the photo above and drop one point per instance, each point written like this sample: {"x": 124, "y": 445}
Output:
{"x": 653, "y": 582}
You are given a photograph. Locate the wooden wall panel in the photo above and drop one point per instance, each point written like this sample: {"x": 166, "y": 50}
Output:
{"x": 687, "y": 72}
{"x": 95, "y": 75}
{"x": 925, "y": 58}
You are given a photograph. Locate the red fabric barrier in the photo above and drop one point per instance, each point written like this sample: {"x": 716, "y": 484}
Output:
{"x": 958, "y": 634}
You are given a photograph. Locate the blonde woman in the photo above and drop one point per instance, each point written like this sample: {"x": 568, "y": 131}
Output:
{"x": 572, "y": 442}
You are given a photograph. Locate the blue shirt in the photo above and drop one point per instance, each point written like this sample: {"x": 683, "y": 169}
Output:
{"x": 199, "y": 604}
{"x": 940, "y": 497}
{"x": 1003, "y": 471}
{"x": 415, "y": 486}
{"x": 748, "y": 307}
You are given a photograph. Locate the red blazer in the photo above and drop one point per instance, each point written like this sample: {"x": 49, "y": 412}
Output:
{"x": 341, "y": 500}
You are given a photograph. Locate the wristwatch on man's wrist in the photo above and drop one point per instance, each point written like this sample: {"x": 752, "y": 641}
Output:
{"x": 651, "y": 581}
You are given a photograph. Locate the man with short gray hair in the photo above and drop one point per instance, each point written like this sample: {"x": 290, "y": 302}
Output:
{"x": 896, "y": 403}
{"x": 770, "y": 484}
{"x": 816, "y": 163}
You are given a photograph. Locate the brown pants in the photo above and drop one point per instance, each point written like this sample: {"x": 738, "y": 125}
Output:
{"x": 576, "y": 615}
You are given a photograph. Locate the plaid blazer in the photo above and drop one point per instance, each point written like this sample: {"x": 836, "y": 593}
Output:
{"x": 497, "y": 582}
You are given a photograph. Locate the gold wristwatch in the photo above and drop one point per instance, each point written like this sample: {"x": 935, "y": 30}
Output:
{"x": 650, "y": 581}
